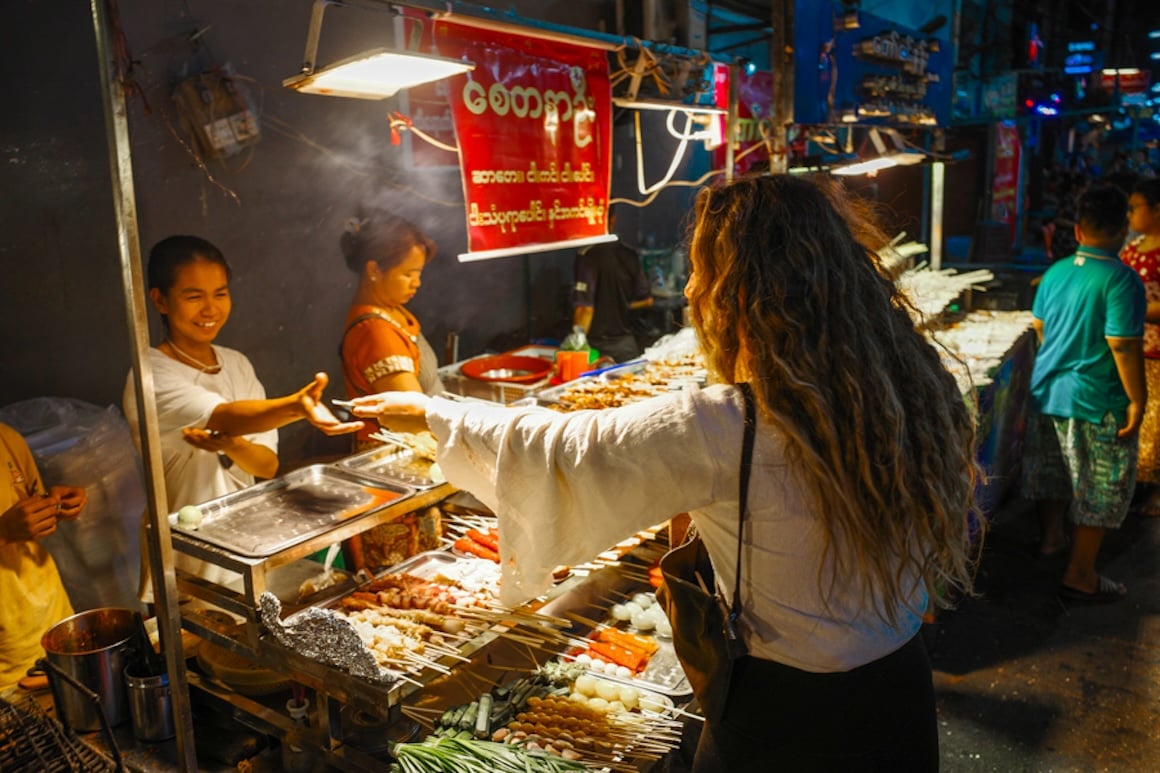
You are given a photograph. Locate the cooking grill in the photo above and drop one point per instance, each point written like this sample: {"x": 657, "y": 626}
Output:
{"x": 32, "y": 741}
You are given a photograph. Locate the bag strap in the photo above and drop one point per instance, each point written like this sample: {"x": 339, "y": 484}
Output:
{"x": 743, "y": 494}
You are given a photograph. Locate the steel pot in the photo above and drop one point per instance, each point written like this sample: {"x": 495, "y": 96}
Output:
{"x": 92, "y": 647}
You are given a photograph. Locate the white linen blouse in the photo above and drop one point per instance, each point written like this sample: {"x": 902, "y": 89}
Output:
{"x": 565, "y": 487}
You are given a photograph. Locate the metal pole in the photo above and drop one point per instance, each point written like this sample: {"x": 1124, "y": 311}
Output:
{"x": 731, "y": 119}
{"x": 129, "y": 248}
{"x": 783, "y": 77}
{"x": 937, "y": 199}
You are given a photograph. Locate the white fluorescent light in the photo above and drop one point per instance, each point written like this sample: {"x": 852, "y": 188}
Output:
{"x": 872, "y": 165}
{"x": 376, "y": 74}
{"x": 660, "y": 104}
{"x": 1122, "y": 71}
{"x": 866, "y": 167}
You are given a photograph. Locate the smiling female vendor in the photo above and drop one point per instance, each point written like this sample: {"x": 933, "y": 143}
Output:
{"x": 218, "y": 429}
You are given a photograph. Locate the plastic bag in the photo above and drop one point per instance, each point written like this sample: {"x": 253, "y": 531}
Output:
{"x": 576, "y": 341}
{"x": 76, "y": 443}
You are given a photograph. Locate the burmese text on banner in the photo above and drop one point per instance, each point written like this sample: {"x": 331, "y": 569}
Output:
{"x": 534, "y": 129}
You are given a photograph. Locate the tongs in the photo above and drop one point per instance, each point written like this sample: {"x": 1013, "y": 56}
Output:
{"x": 394, "y": 438}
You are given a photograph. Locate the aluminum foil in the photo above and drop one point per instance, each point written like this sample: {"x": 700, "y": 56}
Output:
{"x": 322, "y": 635}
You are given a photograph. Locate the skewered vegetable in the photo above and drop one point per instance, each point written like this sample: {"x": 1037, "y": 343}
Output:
{"x": 456, "y": 755}
{"x": 471, "y": 547}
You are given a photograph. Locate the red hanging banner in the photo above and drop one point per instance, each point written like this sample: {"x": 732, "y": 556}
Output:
{"x": 534, "y": 129}
{"x": 1005, "y": 183}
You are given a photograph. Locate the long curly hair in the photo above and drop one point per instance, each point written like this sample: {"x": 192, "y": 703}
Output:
{"x": 787, "y": 294}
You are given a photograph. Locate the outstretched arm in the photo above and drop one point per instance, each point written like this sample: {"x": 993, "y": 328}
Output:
{"x": 247, "y": 417}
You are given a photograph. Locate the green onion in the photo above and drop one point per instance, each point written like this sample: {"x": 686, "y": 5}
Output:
{"x": 456, "y": 755}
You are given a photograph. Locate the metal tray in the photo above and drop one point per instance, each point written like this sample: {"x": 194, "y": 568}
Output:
{"x": 473, "y": 573}
{"x": 268, "y": 517}
{"x": 392, "y": 464}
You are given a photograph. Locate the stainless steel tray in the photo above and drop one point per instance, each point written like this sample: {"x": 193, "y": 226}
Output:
{"x": 271, "y": 516}
{"x": 393, "y": 464}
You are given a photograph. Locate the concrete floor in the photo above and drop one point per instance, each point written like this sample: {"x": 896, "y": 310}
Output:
{"x": 1028, "y": 682}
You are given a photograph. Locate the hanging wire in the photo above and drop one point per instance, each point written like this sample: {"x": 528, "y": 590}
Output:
{"x": 401, "y": 123}
{"x": 677, "y": 155}
{"x": 124, "y": 60}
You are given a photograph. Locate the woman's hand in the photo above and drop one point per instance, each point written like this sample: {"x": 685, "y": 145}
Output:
{"x": 399, "y": 411}
{"x": 208, "y": 439}
{"x": 30, "y": 519}
{"x": 72, "y": 500}
{"x": 316, "y": 412}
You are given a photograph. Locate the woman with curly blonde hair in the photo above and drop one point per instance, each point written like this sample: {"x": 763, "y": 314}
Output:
{"x": 860, "y": 497}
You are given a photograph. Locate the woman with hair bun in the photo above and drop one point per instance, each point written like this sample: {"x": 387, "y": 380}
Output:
{"x": 383, "y": 348}
{"x": 861, "y": 489}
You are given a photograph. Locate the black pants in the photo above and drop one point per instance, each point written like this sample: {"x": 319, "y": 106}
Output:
{"x": 878, "y": 717}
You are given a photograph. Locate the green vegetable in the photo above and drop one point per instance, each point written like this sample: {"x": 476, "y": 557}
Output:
{"x": 483, "y": 716}
{"x": 474, "y": 756}
{"x": 467, "y": 722}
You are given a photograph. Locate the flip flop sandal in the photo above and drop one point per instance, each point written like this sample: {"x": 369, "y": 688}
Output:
{"x": 1107, "y": 590}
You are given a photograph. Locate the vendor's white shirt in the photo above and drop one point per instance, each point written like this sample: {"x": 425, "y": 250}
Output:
{"x": 567, "y": 486}
{"x": 187, "y": 397}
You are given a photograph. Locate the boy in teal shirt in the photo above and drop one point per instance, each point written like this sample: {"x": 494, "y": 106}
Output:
{"x": 1088, "y": 393}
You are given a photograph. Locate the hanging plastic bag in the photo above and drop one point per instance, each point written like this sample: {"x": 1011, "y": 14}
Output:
{"x": 76, "y": 443}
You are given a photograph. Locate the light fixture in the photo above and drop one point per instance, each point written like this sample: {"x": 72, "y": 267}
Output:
{"x": 899, "y": 155}
{"x": 660, "y": 104}
{"x": 376, "y": 74}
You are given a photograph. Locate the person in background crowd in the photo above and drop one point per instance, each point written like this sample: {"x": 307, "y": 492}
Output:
{"x": 217, "y": 428}
{"x": 861, "y": 497}
{"x": 1088, "y": 394}
{"x": 382, "y": 347}
{"x": 1142, "y": 255}
{"x": 1140, "y": 166}
{"x": 32, "y": 597}
{"x": 610, "y": 283}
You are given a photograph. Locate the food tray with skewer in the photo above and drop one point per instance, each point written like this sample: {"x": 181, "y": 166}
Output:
{"x": 395, "y": 463}
{"x": 430, "y": 611}
{"x": 662, "y": 673}
{"x": 271, "y": 516}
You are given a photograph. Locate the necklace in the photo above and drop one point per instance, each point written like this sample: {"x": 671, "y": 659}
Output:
{"x": 189, "y": 358}
{"x": 384, "y": 315}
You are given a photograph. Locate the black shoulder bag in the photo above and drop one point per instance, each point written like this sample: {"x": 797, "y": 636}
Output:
{"x": 705, "y": 634}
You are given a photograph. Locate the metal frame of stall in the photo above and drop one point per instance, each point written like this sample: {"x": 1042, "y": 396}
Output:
{"x": 159, "y": 537}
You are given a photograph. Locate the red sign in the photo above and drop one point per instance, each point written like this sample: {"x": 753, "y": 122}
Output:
{"x": 1005, "y": 183}
{"x": 754, "y": 111}
{"x": 533, "y": 124}
{"x": 1132, "y": 81}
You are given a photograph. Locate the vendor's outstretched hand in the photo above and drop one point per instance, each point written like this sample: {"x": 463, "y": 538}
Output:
{"x": 316, "y": 412}
{"x": 400, "y": 411}
{"x": 30, "y": 519}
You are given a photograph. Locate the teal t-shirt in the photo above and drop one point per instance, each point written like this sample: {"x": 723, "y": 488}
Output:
{"x": 1082, "y": 301}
